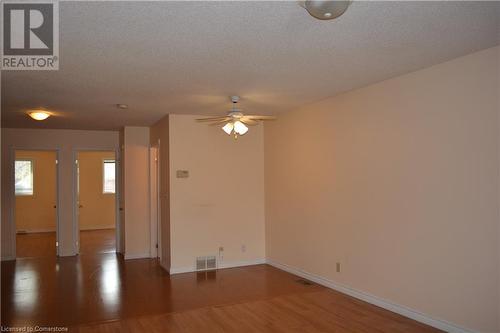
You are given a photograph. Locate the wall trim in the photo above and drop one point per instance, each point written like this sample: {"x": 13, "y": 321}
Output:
{"x": 375, "y": 300}
{"x": 34, "y": 231}
{"x": 108, "y": 227}
{"x": 137, "y": 256}
{"x": 224, "y": 265}
{"x": 8, "y": 258}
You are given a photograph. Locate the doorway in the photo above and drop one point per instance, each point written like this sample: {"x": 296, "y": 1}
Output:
{"x": 96, "y": 201}
{"x": 155, "y": 213}
{"x": 35, "y": 209}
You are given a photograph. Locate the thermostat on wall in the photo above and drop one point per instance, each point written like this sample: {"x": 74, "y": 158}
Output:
{"x": 182, "y": 173}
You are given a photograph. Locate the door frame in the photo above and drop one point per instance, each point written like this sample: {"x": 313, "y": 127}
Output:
{"x": 12, "y": 194}
{"x": 154, "y": 200}
{"x": 76, "y": 222}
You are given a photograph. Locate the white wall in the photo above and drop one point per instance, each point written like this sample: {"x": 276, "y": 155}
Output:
{"x": 135, "y": 168}
{"x": 222, "y": 201}
{"x": 67, "y": 141}
{"x": 398, "y": 182}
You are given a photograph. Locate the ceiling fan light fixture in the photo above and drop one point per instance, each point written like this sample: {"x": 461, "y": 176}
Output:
{"x": 228, "y": 128}
{"x": 240, "y": 128}
{"x": 235, "y": 122}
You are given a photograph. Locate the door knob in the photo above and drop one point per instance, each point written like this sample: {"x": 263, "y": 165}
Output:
{"x": 80, "y": 206}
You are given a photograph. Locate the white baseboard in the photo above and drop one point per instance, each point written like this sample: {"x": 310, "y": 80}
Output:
{"x": 98, "y": 228}
{"x": 34, "y": 231}
{"x": 137, "y": 256}
{"x": 400, "y": 309}
{"x": 231, "y": 264}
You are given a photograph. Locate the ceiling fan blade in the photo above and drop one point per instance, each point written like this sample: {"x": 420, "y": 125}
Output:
{"x": 225, "y": 118}
{"x": 247, "y": 121}
{"x": 255, "y": 117}
{"x": 218, "y": 122}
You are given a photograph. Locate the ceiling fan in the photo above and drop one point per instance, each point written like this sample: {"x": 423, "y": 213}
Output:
{"x": 235, "y": 122}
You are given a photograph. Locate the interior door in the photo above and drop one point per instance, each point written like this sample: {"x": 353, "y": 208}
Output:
{"x": 96, "y": 211}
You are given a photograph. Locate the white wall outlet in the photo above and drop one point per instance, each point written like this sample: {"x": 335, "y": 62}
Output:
{"x": 243, "y": 248}
{"x": 338, "y": 268}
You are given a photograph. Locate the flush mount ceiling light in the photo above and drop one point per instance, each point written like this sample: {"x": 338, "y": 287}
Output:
{"x": 235, "y": 122}
{"x": 39, "y": 114}
{"x": 325, "y": 10}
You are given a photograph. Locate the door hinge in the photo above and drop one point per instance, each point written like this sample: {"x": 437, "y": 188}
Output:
{"x": 156, "y": 245}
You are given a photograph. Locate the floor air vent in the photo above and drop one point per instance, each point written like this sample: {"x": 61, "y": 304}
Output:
{"x": 206, "y": 263}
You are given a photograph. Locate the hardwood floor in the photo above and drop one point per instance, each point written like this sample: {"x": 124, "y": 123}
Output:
{"x": 40, "y": 244}
{"x": 43, "y": 244}
{"x": 104, "y": 293}
{"x": 97, "y": 241}
{"x": 305, "y": 312}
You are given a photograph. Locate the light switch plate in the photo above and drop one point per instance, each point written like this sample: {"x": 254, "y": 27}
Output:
{"x": 182, "y": 173}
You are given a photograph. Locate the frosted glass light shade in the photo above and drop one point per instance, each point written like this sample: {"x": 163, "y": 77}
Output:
{"x": 228, "y": 128}
{"x": 240, "y": 128}
{"x": 39, "y": 115}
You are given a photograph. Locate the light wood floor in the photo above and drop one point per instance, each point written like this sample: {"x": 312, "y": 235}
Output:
{"x": 43, "y": 244}
{"x": 305, "y": 312}
{"x": 104, "y": 293}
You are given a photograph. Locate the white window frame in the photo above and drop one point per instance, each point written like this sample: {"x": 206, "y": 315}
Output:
{"x": 32, "y": 163}
{"x": 104, "y": 161}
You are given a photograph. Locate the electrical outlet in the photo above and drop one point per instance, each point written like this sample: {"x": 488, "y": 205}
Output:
{"x": 243, "y": 248}
{"x": 338, "y": 267}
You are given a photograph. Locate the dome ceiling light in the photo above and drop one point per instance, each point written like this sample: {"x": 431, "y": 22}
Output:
{"x": 325, "y": 10}
{"x": 39, "y": 114}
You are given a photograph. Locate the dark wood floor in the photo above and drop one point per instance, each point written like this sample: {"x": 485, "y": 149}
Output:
{"x": 43, "y": 244}
{"x": 97, "y": 241}
{"x": 104, "y": 293}
{"x": 40, "y": 244}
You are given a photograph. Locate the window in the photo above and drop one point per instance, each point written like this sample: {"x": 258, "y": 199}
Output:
{"x": 24, "y": 177}
{"x": 108, "y": 183}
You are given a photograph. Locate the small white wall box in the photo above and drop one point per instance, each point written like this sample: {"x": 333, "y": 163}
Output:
{"x": 182, "y": 173}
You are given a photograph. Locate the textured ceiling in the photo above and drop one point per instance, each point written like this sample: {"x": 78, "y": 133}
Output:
{"x": 187, "y": 57}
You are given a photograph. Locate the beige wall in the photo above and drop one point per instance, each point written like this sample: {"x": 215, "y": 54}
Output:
{"x": 36, "y": 213}
{"x": 136, "y": 207}
{"x": 398, "y": 182}
{"x": 68, "y": 142}
{"x": 222, "y": 201}
{"x": 97, "y": 208}
{"x": 159, "y": 137}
